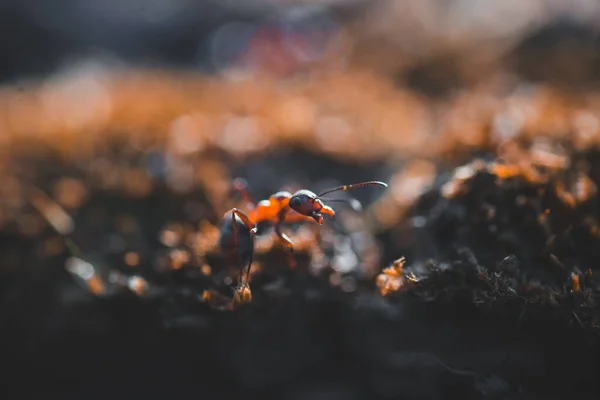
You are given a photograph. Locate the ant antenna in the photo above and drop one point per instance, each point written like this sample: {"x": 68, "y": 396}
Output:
{"x": 353, "y": 186}
{"x": 355, "y": 204}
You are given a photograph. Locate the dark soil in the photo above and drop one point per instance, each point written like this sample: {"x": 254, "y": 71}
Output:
{"x": 466, "y": 330}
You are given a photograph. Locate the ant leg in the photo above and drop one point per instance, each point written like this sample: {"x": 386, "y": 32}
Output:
{"x": 287, "y": 241}
{"x": 252, "y": 227}
{"x": 245, "y": 219}
{"x": 284, "y": 237}
{"x": 249, "y": 268}
{"x": 236, "y": 235}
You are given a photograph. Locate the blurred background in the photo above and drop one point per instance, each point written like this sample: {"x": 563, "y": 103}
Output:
{"x": 347, "y": 78}
{"x": 123, "y": 123}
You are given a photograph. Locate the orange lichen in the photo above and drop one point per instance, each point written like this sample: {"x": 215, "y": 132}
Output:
{"x": 575, "y": 286}
{"x": 456, "y": 185}
{"x": 137, "y": 285}
{"x": 548, "y": 159}
{"x": 70, "y": 193}
{"x": 392, "y": 278}
{"x": 56, "y": 216}
{"x": 131, "y": 258}
{"x": 178, "y": 258}
{"x": 171, "y": 235}
{"x": 564, "y": 195}
{"x": 505, "y": 171}
{"x": 206, "y": 270}
{"x": 584, "y": 188}
{"x": 205, "y": 240}
{"x": 86, "y": 274}
{"x": 95, "y": 285}
{"x": 406, "y": 187}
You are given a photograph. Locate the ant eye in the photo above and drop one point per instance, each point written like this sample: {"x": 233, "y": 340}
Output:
{"x": 295, "y": 202}
{"x": 301, "y": 203}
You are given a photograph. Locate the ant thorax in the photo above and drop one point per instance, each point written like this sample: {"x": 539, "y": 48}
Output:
{"x": 269, "y": 210}
{"x": 280, "y": 196}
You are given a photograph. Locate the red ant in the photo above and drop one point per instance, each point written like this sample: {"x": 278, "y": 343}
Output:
{"x": 238, "y": 228}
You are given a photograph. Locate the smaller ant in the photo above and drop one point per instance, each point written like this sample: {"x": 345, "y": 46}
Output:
{"x": 238, "y": 229}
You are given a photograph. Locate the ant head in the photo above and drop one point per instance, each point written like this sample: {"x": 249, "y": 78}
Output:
{"x": 306, "y": 203}
{"x": 310, "y": 204}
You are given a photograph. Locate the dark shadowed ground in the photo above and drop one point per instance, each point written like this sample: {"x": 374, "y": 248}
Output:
{"x": 452, "y": 337}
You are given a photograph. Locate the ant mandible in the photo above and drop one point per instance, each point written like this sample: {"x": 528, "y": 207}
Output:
{"x": 238, "y": 229}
